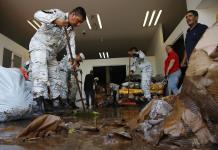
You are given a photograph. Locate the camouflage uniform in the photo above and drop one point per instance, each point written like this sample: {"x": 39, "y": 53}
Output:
{"x": 73, "y": 89}
{"x": 145, "y": 66}
{"x": 64, "y": 67}
{"x": 44, "y": 45}
{"x": 115, "y": 91}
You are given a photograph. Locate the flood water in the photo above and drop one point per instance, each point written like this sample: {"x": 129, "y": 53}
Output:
{"x": 83, "y": 140}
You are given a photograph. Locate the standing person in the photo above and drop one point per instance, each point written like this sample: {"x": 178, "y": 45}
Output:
{"x": 89, "y": 89}
{"x": 144, "y": 65}
{"x": 72, "y": 81}
{"x": 172, "y": 70}
{"x": 66, "y": 76}
{"x": 49, "y": 39}
{"x": 115, "y": 89}
{"x": 193, "y": 35}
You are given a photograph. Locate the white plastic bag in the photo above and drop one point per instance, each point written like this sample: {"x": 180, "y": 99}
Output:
{"x": 15, "y": 95}
{"x": 160, "y": 109}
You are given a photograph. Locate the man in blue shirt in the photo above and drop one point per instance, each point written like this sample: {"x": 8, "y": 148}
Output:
{"x": 194, "y": 33}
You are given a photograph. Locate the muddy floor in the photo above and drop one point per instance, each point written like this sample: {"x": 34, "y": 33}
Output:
{"x": 84, "y": 140}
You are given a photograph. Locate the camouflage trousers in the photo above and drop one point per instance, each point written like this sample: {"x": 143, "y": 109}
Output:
{"x": 45, "y": 72}
{"x": 73, "y": 89}
{"x": 146, "y": 81}
{"x": 64, "y": 85}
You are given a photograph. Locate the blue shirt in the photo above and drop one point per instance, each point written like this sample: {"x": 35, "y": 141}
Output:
{"x": 193, "y": 36}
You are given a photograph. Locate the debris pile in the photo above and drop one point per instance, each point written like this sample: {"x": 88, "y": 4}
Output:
{"x": 193, "y": 114}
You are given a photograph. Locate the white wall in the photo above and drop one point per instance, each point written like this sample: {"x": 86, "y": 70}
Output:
{"x": 12, "y": 46}
{"x": 208, "y": 15}
{"x": 156, "y": 45}
{"x": 177, "y": 32}
{"x": 192, "y": 4}
{"x": 88, "y": 65}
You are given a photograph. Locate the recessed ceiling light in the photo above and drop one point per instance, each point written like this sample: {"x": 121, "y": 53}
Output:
{"x": 99, "y": 21}
{"x": 107, "y": 54}
{"x": 158, "y": 16}
{"x": 36, "y": 23}
{"x": 88, "y": 23}
{"x": 30, "y": 23}
{"x": 103, "y": 55}
{"x": 146, "y": 18}
{"x": 152, "y": 17}
{"x": 100, "y": 55}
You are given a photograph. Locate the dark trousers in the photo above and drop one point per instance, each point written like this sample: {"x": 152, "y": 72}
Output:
{"x": 92, "y": 95}
{"x": 115, "y": 97}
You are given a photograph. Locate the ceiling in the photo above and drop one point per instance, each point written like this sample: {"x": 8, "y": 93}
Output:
{"x": 208, "y": 4}
{"x": 121, "y": 19}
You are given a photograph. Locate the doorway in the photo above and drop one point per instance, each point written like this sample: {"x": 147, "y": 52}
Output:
{"x": 110, "y": 74}
{"x": 179, "y": 48}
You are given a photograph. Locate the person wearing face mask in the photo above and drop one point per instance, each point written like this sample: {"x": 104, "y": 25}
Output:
{"x": 50, "y": 39}
{"x": 193, "y": 35}
{"x": 141, "y": 61}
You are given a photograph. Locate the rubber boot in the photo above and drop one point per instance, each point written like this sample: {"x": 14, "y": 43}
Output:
{"x": 73, "y": 105}
{"x": 63, "y": 103}
{"x": 56, "y": 104}
{"x": 39, "y": 103}
{"x": 48, "y": 105}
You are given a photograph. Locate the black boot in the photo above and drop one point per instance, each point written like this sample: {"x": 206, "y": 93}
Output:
{"x": 63, "y": 103}
{"x": 48, "y": 105}
{"x": 56, "y": 104}
{"x": 73, "y": 105}
{"x": 39, "y": 103}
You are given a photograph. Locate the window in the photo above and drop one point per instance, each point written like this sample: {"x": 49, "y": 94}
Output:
{"x": 7, "y": 56}
{"x": 10, "y": 59}
{"x": 17, "y": 61}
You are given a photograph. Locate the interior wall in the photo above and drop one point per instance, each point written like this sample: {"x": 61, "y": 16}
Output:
{"x": 88, "y": 65}
{"x": 192, "y": 4}
{"x": 208, "y": 15}
{"x": 14, "y": 47}
{"x": 156, "y": 45}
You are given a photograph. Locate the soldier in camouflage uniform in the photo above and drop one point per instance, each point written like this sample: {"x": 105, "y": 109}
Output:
{"x": 73, "y": 88}
{"x": 140, "y": 61}
{"x": 67, "y": 76}
{"x": 49, "y": 39}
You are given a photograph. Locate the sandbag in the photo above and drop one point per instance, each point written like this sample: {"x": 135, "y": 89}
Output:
{"x": 15, "y": 95}
{"x": 42, "y": 126}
